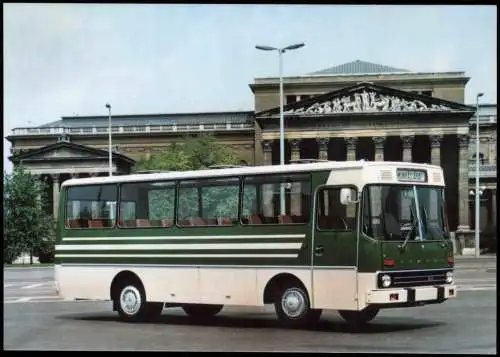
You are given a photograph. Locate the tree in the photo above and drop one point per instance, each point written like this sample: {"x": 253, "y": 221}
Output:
{"x": 192, "y": 153}
{"x": 28, "y": 228}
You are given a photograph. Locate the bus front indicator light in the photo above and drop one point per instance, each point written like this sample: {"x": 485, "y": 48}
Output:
{"x": 386, "y": 281}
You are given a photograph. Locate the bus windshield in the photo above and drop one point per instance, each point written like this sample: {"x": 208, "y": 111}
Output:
{"x": 403, "y": 212}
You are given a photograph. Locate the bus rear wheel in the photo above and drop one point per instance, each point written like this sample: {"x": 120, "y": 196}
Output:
{"x": 293, "y": 308}
{"x": 358, "y": 318}
{"x": 132, "y": 305}
{"x": 202, "y": 311}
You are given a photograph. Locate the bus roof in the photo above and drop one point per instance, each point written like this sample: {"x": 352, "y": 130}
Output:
{"x": 244, "y": 170}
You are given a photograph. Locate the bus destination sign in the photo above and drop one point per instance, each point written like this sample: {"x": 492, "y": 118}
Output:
{"x": 411, "y": 175}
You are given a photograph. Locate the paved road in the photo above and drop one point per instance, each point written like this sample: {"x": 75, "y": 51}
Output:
{"x": 35, "y": 319}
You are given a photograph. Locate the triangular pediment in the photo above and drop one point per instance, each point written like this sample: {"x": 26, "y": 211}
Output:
{"x": 367, "y": 98}
{"x": 65, "y": 150}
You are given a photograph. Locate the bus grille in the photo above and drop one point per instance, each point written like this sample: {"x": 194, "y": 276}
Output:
{"x": 415, "y": 278}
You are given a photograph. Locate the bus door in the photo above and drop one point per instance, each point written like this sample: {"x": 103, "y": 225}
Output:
{"x": 334, "y": 249}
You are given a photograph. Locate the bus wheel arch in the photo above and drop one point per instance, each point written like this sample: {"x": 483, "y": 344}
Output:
{"x": 128, "y": 289}
{"x": 287, "y": 288}
{"x": 277, "y": 283}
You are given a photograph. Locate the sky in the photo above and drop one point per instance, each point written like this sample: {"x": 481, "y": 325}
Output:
{"x": 72, "y": 59}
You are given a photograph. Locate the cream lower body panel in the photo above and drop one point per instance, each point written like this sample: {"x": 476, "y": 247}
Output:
{"x": 335, "y": 289}
{"x": 208, "y": 285}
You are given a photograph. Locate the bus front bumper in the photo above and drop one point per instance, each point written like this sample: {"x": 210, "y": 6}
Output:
{"x": 416, "y": 295}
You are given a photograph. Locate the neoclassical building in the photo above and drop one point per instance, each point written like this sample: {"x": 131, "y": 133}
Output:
{"x": 357, "y": 110}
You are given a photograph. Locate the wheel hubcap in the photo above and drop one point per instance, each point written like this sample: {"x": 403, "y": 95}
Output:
{"x": 293, "y": 303}
{"x": 130, "y": 300}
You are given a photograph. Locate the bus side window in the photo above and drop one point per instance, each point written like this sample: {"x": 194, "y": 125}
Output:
{"x": 92, "y": 206}
{"x": 264, "y": 195}
{"x": 208, "y": 202}
{"x": 332, "y": 214}
{"x": 146, "y": 204}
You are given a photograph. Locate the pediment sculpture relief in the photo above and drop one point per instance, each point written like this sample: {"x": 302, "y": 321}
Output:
{"x": 368, "y": 102}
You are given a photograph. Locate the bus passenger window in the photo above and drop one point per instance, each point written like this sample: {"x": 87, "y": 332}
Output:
{"x": 276, "y": 199}
{"x": 91, "y": 206}
{"x": 332, "y": 214}
{"x": 208, "y": 202}
{"x": 146, "y": 204}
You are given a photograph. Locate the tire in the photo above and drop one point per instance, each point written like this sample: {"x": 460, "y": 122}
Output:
{"x": 358, "y": 318}
{"x": 202, "y": 311}
{"x": 293, "y": 308}
{"x": 314, "y": 316}
{"x": 132, "y": 305}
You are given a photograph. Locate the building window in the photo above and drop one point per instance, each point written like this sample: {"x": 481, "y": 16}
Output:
{"x": 262, "y": 199}
{"x": 333, "y": 215}
{"x": 91, "y": 206}
{"x": 208, "y": 202}
{"x": 147, "y": 204}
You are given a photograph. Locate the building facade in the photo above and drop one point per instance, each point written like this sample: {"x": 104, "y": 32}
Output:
{"x": 357, "y": 110}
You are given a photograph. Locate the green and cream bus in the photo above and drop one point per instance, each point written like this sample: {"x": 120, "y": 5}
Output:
{"x": 352, "y": 236}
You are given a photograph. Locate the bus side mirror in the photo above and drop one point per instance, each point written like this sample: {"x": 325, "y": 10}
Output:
{"x": 347, "y": 196}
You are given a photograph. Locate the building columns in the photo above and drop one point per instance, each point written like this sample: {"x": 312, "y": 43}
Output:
{"x": 55, "y": 194}
{"x": 351, "y": 148}
{"x": 436, "y": 149}
{"x": 295, "y": 197}
{"x": 379, "y": 147}
{"x": 268, "y": 152}
{"x": 295, "y": 146}
{"x": 323, "y": 148}
{"x": 407, "y": 146}
{"x": 464, "y": 233}
{"x": 267, "y": 189}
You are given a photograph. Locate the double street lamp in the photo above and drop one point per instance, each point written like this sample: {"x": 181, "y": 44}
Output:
{"x": 478, "y": 192}
{"x": 282, "y": 129}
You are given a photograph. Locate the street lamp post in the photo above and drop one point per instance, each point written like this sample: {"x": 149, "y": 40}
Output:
{"x": 477, "y": 206}
{"x": 282, "y": 120}
{"x": 109, "y": 140}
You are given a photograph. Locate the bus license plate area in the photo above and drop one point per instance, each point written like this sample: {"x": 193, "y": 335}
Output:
{"x": 416, "y": 294}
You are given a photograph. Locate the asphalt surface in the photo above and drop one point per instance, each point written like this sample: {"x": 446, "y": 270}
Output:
{"x": 36, "y": 319}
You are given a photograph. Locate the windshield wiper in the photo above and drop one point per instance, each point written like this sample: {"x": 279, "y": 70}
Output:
{"x": 403, "y": 245}
{"x": 417, "y": 221}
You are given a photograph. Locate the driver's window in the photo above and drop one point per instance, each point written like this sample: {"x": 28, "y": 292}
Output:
{"x": 332, "y": 214}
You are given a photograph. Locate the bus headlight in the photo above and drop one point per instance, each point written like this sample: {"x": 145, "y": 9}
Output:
{"x": 386, "y": 281}
{"x": 449, "y": 277}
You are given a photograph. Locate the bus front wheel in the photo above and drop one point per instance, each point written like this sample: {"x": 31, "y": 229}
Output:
{"x": 201, "y": 311}
{"x": 357, "y": 318}
{"x": 293, "y": 308}
{"x": 132, "y": 305}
